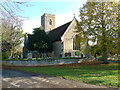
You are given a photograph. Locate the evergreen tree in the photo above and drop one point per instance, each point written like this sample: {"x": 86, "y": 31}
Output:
{"x": 39, "y": 41}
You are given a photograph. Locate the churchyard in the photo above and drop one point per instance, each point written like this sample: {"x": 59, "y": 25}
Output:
{"x": 65, "y": 51}
{"x": 87, "y": 72}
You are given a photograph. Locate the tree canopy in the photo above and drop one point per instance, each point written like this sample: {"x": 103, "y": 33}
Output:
{"x": 12, "y": 35}
{"x": 39, "y": 41}
{"x": 99, "y": 23}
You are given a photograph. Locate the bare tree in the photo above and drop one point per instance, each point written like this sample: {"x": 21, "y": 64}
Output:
{"x": 9, "y": 8}
{"x": 11, "y": 25}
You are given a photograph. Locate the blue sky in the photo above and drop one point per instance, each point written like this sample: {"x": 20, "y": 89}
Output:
{"x": 38, "y": 8}
{"x": 64, "y": 12}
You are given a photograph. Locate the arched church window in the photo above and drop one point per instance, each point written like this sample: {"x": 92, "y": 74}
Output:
{"x": 76, "y": 45}
{"x": 50, "y": 22}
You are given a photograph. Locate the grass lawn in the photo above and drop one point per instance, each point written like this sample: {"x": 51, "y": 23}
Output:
{"x": 101, "y": 74}
{"x": 21, "y": 59}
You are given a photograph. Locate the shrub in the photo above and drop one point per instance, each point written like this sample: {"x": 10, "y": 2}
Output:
{"x": 37, "y": 55}
{"x": 5, "y": 55}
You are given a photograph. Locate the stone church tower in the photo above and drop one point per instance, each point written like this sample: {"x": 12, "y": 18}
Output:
{"x": 48, "y": 22}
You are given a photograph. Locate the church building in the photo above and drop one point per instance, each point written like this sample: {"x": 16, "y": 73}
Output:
{"x": 62, "y": 37}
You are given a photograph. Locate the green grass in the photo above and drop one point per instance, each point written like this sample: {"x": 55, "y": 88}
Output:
{"x": 102, "y": 74}
{"x": 21, "y": 59}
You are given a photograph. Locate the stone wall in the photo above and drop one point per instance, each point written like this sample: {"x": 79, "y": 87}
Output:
{"x": 57, "y": 48}
{"x": 45, "y": 22}
{"x": 67, "y": 39}
{"x": 41, "y": 62}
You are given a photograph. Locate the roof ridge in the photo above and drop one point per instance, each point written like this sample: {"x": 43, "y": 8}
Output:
{"x": 61, "y": 26}
{"x": 56, "y": 33}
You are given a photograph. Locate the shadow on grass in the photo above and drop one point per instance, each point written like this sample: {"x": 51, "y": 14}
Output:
{"x": 83, "y": 72}
{"x": 95, "y": 82}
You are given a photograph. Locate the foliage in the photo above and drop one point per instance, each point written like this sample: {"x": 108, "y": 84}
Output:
{"x": 5, "y": 55}
{"x": 11, "y": 30}
{"x": 99, "y": 23}
{"x": 39, "y": 41}
{"x": 95, "y": 50}
{"x": 102, "y": 74}
{"x": 11, "y": 35}
{"x": 18, "y": 51}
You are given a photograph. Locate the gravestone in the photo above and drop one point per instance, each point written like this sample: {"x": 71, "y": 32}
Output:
{"x": 21, "y": 56}
{"x": 29, "y": 56}
{"x": 10, "y": 57}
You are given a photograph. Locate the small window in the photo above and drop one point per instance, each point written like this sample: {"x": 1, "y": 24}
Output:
{"x": 50, "y": 22}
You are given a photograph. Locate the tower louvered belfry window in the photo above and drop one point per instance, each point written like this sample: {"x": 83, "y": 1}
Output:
{"x": 50, "y": 22}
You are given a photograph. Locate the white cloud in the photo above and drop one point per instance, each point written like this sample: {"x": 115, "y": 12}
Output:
{"x": 65, "y": 17}
{"x": 60, "y": 19}
{"x": 55, "y": 0}
{"x": 30, "y": 24}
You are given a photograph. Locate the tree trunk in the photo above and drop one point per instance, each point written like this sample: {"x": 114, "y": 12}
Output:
{"x": 104, "y": 49}
{"x": 104, "y": 57}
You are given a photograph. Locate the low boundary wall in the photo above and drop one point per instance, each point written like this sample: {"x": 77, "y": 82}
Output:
{"x": 40, "y": 62}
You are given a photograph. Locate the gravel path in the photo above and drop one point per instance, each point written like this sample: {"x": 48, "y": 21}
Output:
{"x": 18, "y": 79}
